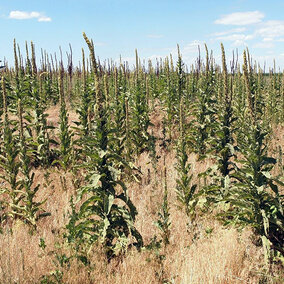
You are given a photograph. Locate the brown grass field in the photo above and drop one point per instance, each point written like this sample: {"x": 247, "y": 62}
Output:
{"x": 203, "y": 252}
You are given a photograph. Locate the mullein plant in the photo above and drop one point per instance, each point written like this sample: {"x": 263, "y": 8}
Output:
{"x": 192, "y": 85}
{"x": 279, "y": 96}
{"x": 169, "y": 99}
{"x": 255, "y": 197}
{"x": 204, "y": 110}
{"x": 92, "y": 54}
{"x": 17, "y": 72}
{"x": 153, "y": 86}
{"x": 273, "y": 98}
{"x": 42, "y": 141}
{"x": 120, "y": 120}
{"x": 9, "y": 162}
{"x": 100, "y": 218}
{"x": 185, "y": 188}
{"x": 28, "y": 65}
{"x": 83, "y": 111}
{"x": 65, "y": 135}
{"x": 29, "y": 209}
{"x": 140, "y": 121}
{"x": 175, "y": 90}
{"x": 163, "y": 223}
{"x": 260, "y": 97}
{"x": 223, "y": 141}
{"x": 239, "y": 97}
{"x": 22, "y": 84}
{"x": 46, "y": 88}
{"x": 181, "y": 82}
{"x": 16, "y": 87}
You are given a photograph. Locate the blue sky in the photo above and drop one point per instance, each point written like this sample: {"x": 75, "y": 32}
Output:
{"x": 153, "y": 27}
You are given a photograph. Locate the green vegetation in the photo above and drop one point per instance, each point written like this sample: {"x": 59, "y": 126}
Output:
{"x": 225, "y": 117}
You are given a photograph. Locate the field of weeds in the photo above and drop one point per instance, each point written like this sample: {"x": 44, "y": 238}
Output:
{"x": 158, "y": 173}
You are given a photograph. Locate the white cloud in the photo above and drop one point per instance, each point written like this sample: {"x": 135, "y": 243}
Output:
{"x": 271, "y": 29}
{"x": 241, "y": 18}
{"x": 237, "y": 30}
{"x": 22, "y": 15}
{"x": 234, "y": 37}
{"x": 267, "y": 33}
{"x": 237, "y": 39}
{"x": 264, "y": 45}
{"x": 44, "y": 19}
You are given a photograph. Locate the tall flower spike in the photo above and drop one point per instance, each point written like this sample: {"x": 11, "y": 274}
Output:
{"x": 28, "y": 63}
{"x": 181, "y": 118}
{"x": 34, "y": 68}
{"x": 178, "y": 51}
{"x": 16, "y": 59}
{"x": 225, "y": 73}
{"x": 137, "y": 64}
{"x": 246, "y": 77}
{"x": 92, "y": 53}
{"x": 99, "y": 99}
{"x": 115, "y": 84}
{"x": 61, "y": 89}
{"x": 207, "y": 61}
{"x": 83, "y": 70}
{"x": 126, "y": 117}
{"x": 106, "y": 91}
{"x": 5, "y": 109}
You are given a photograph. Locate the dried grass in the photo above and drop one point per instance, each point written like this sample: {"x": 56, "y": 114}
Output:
{"x": 204, "y": 253}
